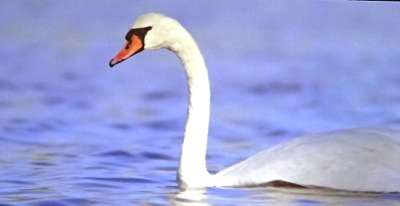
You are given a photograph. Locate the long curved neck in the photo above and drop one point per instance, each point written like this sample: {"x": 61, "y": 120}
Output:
{"x": 192, "y": 168}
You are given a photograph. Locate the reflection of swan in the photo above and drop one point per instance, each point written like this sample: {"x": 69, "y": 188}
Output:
{"x": 356, "y": 159}
{"x": 277, "y": 196}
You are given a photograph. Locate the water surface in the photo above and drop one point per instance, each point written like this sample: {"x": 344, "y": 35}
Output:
{"x": 74, "y": 132}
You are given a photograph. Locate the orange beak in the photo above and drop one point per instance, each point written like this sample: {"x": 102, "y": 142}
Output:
{"x": 131, "y": 47}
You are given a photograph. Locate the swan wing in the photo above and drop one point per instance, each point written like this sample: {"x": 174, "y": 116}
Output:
{"x": 355, "y": 159}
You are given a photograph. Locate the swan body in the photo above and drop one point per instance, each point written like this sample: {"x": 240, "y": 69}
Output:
{"x": 365, "y": 159}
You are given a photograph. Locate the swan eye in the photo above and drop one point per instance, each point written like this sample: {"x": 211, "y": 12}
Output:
{"x": 139, "y": 32}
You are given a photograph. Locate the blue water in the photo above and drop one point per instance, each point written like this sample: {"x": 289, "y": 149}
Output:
{"x": 74, "y": 132}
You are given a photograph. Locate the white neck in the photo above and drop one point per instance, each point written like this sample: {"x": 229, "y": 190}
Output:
{"x": 192, "y": 168}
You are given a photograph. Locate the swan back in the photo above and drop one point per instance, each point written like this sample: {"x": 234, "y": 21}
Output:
{"x": 362, "y": 159}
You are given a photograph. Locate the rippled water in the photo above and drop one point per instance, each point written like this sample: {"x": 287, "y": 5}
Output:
{"x": 73, "y": 132}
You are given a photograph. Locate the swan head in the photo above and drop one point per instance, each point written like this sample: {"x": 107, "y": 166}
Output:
{"x": 150, "y": 31}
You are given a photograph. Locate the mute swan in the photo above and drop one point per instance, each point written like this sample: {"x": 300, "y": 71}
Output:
{"x": 366, "y": 160}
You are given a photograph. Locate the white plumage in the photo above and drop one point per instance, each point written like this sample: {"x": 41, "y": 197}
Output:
{"x": 365, "y": 159}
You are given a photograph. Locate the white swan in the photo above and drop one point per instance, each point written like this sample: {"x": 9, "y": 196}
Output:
{"x": 355, "y": 160}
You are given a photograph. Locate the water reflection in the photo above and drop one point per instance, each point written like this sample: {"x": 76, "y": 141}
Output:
{"x": 191, "y": 197}
{"x": 279, "y": 196}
